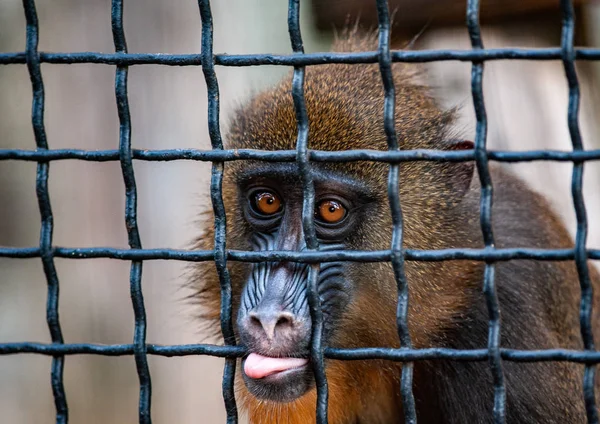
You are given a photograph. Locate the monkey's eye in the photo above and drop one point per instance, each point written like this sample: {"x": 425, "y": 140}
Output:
{"x": 266, "y": 203}
{"x": 330, "y": 211}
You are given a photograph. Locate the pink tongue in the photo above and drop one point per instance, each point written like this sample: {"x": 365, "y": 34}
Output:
{"x": 258, "y": 366}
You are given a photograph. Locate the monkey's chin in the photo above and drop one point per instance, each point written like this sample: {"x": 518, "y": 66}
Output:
{"x": 282, "y": 387}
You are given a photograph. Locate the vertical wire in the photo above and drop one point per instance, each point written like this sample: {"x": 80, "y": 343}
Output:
{"x": 216, "y": 195}
{"x": 385, "y": 66}
{"x": 485, "y": 217}
{"x": 585, "y": 311}
{"x": 47, "y": 220}
{"x": 308, "y": 205}
{"x": 131, "y": 224}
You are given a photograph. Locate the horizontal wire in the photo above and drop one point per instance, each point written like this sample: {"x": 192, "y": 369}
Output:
{"x": 290, "y": 155}
{"x": 299, "y": 59}
{"x": 365, "y": 353}
{"x": 486, "y": 255}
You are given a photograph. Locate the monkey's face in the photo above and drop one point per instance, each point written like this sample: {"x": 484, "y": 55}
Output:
{"x": 273, "y": 318}
{"x": 264, "y": 212}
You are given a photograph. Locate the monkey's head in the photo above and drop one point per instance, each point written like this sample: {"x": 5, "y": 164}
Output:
{"x": 264, "y": 210}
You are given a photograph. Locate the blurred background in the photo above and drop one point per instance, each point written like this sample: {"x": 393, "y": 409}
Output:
{"x": 526, "y": 104}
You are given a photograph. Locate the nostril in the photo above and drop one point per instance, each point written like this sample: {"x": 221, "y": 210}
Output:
{"x": 255, "y": 321}
{"x": 285, "y": 319}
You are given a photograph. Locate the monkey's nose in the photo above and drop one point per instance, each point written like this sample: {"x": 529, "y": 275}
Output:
{"x": 271, "y": 322}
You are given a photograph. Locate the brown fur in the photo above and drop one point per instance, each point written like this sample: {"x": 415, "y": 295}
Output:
{"x": 539, "y": 301}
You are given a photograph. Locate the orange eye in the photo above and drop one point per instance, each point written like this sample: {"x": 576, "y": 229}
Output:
{"x": 267, "y": 203}
{"x": 331, "y": 211}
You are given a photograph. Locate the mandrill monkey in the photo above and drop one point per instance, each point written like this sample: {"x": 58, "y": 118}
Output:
{"x": 539, "y": 300}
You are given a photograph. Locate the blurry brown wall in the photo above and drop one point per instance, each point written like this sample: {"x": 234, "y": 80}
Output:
{"x": 168, "y": 110}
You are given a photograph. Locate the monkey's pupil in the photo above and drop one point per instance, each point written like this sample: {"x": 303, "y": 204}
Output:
{"x": 332, "y": 209}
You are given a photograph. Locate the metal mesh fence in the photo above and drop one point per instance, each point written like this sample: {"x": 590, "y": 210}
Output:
{"x": 396, "y": 254}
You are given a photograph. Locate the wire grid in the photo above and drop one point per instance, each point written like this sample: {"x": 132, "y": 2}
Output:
{"x": 494, "y": 354}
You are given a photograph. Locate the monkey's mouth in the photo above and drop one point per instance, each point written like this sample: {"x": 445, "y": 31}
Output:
{"x": 276, "y": 379}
